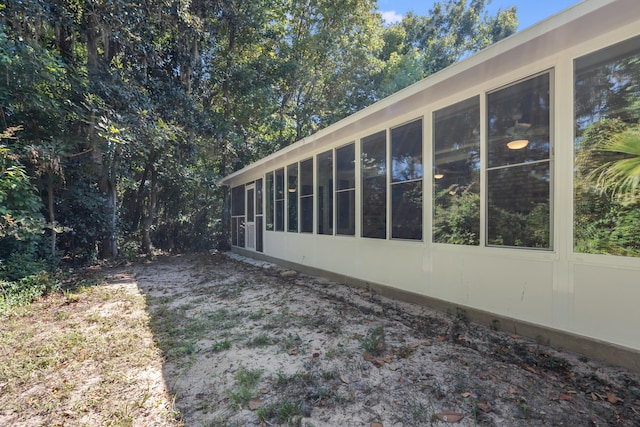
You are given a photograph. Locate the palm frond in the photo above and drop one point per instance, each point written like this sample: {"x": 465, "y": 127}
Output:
{"x": 621, "y": 176}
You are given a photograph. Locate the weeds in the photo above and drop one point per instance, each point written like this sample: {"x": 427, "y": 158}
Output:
{"x": 247, "y": 380}
{"x": 261, "y": 340}
{"x": 374, "y": 343}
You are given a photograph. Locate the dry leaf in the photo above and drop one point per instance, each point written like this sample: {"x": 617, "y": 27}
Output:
{"x": 530, "y": 369}
{"x": 376, "y": 424}
{"x": 484, "y": 407}
{"x": 465, "y": 394}
{"x": 565, "y": 397}
{"x": 515, "y": 336}
{"x": 512, "y": 390}
{"x": 441, "y": 338}
{"x": 345, "y": 379}
{"x": 613, "y": 399}
{"x": 450, "y": 416}
{"x": 593, "y": 396}
{"x": 255, "y": 404}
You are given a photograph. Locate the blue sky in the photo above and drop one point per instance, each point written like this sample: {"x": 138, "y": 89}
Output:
{"x": 529, "y": 11}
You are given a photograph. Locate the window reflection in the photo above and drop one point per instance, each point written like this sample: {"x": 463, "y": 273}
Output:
{"x": 325, "y": 192}
{"x": 607, "y": 123}
{"x": 345, "y": 190}
{"x": 306, "y": 196}
{"x": 374, "y": 186}
{"x": 456, "y": 211}
{"x": 518, "y": 178}
{"x": 292, "y": 197}
{"x": 406, "y": 186}
{"x": 279, "y": 200}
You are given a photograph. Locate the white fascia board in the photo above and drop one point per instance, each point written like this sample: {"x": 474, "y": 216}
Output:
{"x": 572, "y": 26}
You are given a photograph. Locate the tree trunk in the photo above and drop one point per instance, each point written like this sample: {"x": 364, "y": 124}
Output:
{"x": 52, "y": 213}
{"x": 151, "y": 213}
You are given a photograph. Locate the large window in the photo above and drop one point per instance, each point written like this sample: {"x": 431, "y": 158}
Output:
{"x": 607, "y": 151}
{"x": 292, "y": 197}
{"x": 406, "y": 181}
{"x": 374, "y": 185}
{"x": 456, "y": 173}
{"x": 324, "y": 166}
{"x": 346, "y": 189}
{"x": 237, "y": 216}
{"x": 270, "y": 194}
{"x": 306, "y": 196}
{"x": 279, "y": 203}
{"x": 518, "y": 165}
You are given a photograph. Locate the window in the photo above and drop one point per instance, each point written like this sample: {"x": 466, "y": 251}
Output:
{"x": 607, "y": 124}
{"x": 259, "y": 216}
{"x": 292, "y": 197}
{"x": 324, "y": 167}
{"x": 406, "y": 181}
{"x": 374, "y": 185}
{"x": 518, "y": 165}
{"x": 346, "y": 190}
{"x": 456, "y": 173}
{"x": 237, "y": 216}
{"x": 279, "y": 200}
{"x": 306, "y": 196}
{"x": 269, "y": 200}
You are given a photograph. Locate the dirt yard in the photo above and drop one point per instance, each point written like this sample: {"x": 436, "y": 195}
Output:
{"x": 220, "y": 340}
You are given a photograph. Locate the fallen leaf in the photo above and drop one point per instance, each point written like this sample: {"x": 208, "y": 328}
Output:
{"x": 264, "y": 391}
{"x": 514, "y": 336}
{"x": 376, "y": 424}
{"x": 465, "y": 394}
{"x": 530, "y": 369}
{"x": 613, "y": 399}
{"x": 484, "y": 407}
{"x": 441, "y": 338}
{"x": 255, "y": 404}
{"x": 593, "y": 396}
{"x": 512, "y": 390}
{"x": 450, "y": 416}
{"x": 565, "y": 397}
{"x": 345, "y": 379}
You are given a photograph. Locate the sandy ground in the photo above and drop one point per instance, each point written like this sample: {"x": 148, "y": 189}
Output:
{"x": 220, "y": 340}
{"x": 249, "y": 344}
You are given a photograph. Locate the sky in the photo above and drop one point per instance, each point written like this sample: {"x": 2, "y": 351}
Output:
{"x": 529, "y": 12}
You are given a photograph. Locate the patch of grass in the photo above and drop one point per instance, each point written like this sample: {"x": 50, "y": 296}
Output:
{"x": 246, "y": 380}
{"x": 290, "y": 343}
{"x": 249, "y": 378}
{"x": 61, "y": 360}
{"x": 285, "y": 411}
{"x": 261, "y": 340}
{"x": 374, "y": 343}
{"x": 219, "y": 346}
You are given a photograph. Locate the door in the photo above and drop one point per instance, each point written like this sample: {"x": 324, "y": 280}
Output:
{"x": 250, "y": 225}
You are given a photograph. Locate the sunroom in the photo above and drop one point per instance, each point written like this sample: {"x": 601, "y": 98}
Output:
{"x": 488, "y": 186}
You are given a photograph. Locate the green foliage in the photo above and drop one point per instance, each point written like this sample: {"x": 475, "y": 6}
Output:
{"x": 607, "y": 210}
{"x": 457, "y": 216}
{"x": 374, "y": 343}
{"x": 25, "y": 290}
{"x": 131, "y": 114}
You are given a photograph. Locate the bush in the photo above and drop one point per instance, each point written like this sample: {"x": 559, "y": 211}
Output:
{"x": 24, "y": 291}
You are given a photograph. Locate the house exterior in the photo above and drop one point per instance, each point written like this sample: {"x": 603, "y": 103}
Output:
{"x": 481, "y": 187}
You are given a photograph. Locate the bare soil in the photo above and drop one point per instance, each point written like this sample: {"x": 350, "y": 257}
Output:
{"x": 228, "y": 341}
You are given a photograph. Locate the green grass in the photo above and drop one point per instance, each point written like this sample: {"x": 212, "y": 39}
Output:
{"x": 246, "y": 382}
{"x": 261, "y": 340}
{"x": 374, "y": 343}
